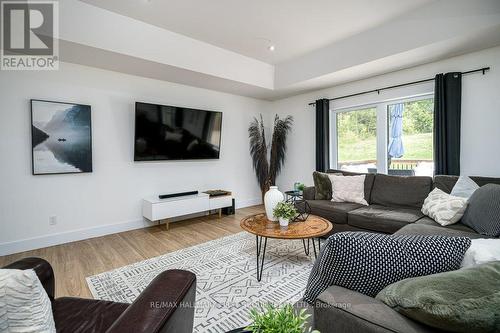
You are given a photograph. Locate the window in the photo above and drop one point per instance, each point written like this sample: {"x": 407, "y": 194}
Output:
{"x": 357, "y": 140}
{"x": 393, "y": 137}
{"x": 410, "y": 140}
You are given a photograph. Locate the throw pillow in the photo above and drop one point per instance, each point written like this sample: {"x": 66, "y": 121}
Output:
{"x": 483, "y": 213}
{"x": 482, "y": 251}
{"x": 322, "y": 186}
{"x": 348, "y": 189}
{"x": 444, "y": 208}
{"x": 368, "y": 262}
{"x": 466, "y": 300}
{"x": 464, "y": 187}
{"x": 25, "y": 304}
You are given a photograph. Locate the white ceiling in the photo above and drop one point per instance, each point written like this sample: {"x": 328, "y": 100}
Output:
{"x": 319, "y": 43}
{"x": 295, "y": 27}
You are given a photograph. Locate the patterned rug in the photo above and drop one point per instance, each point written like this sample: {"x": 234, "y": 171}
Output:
{"x": 226, "y": 278}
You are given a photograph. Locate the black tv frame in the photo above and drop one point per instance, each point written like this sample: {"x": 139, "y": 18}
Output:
{"x": 176, "y": 159}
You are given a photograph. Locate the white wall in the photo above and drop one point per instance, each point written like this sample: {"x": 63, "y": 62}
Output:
{"x": 109, "y": 199}
{"x": 480, "y": 113}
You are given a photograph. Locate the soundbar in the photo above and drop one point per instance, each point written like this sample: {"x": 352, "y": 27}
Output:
{"x": 180, "y": 194}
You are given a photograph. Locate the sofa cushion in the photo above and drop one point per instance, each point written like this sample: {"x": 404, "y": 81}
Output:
{"x": 469, "y": 304}
{"x": 85, "y": 315}
{"x": 309, "y": 193}
{"x": 24, "y": 304}
{"x": 348, "y": 189}
{"x": 400, "y": 191}
{"x": 369, "y": 179}
{"x": 446, "y": 183}
{"x": 482, "y": 251}
{"x": 483, "y": 213}
{"x": 368, "y": 262}
{"x": 339, "y": 309}
{"x": 383, "y": 219}
{"x": 444, "y": 208}
{"x": 464, "y": 187}
{"x": 457, "y": 226}
{"x": 423, "y": 229}
{"x": 322, "y": 186}
{"x": 335, "y": 212}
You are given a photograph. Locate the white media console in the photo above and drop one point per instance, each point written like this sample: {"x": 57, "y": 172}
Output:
{"x": 156, "y": 210}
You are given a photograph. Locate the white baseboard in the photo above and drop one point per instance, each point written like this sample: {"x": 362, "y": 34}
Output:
{"x": 81, "y": 234}
{"x": 68, "y": 236}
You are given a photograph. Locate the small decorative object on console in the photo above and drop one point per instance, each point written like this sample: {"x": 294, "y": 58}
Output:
{"x": 271, "y": 199}
{"x": 285, "y": 211}
{"x": 217, "y": 193}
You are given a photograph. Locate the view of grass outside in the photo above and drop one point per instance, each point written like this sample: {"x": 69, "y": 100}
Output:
{"x": 357, "y": 135}
{"x": 417, "y": 146}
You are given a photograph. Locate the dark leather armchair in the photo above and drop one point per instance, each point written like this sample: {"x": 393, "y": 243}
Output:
{"x": 166, "y": 305}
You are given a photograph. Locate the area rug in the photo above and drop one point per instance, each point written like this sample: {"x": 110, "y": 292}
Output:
{"x": 225, "y": 269}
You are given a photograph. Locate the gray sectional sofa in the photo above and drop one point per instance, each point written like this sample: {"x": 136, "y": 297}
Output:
{"x": 394, "y": 207}
{"x": 395, "y": 202}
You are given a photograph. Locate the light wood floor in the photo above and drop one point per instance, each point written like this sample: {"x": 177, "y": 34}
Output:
{"x": 72, "y": 262}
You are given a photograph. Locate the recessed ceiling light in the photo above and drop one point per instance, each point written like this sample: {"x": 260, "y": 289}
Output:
{"x": 270, "y": 46}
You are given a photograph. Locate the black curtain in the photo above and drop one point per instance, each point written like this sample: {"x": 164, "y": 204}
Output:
{"x": 322, "y": 135}
{"x": 447, "y": 117}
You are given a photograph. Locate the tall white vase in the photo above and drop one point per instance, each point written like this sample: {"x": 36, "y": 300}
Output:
{"x": 271, "y": 199}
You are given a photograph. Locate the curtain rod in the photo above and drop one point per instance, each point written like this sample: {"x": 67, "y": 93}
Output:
{"x": 483, "y": 70}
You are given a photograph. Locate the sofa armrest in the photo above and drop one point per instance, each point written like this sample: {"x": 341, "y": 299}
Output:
{"x": 42, "y": 269}
{"x": 166, "y": 305}
{"x": 309, "y": 193}
{"x": 339, "y": 309}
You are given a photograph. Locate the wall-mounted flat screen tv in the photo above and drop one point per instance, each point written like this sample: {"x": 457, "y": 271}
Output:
{"x": 176, "y": 133}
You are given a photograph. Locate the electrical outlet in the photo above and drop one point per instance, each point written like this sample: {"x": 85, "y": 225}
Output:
{"x": 52, "y": 220}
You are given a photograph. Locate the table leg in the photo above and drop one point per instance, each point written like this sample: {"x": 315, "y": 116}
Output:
{"x": 306, "y": 249}
{"x": 316, "y": 251}
{"x": 260, "y": 250}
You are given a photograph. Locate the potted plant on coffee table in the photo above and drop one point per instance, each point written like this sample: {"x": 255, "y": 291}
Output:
{"x": 278, "y": 319}
{"x": 285, "y": 211}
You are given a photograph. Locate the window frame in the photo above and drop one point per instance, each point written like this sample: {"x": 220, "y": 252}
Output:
{"x": 382, "y": 127}
{"x": 334, "y": 153}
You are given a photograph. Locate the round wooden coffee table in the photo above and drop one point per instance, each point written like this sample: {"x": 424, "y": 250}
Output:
{"x": 313, "y": 227}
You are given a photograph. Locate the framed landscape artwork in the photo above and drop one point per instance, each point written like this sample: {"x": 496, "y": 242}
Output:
{"x": 61, "y": 136}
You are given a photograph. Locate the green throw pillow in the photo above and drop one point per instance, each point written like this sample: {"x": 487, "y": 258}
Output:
{"x": 322, "y": 186}
{"x": 465, "y": 300}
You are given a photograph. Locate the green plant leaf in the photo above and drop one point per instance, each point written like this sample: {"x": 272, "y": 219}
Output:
{"x": 272, "y": 319}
